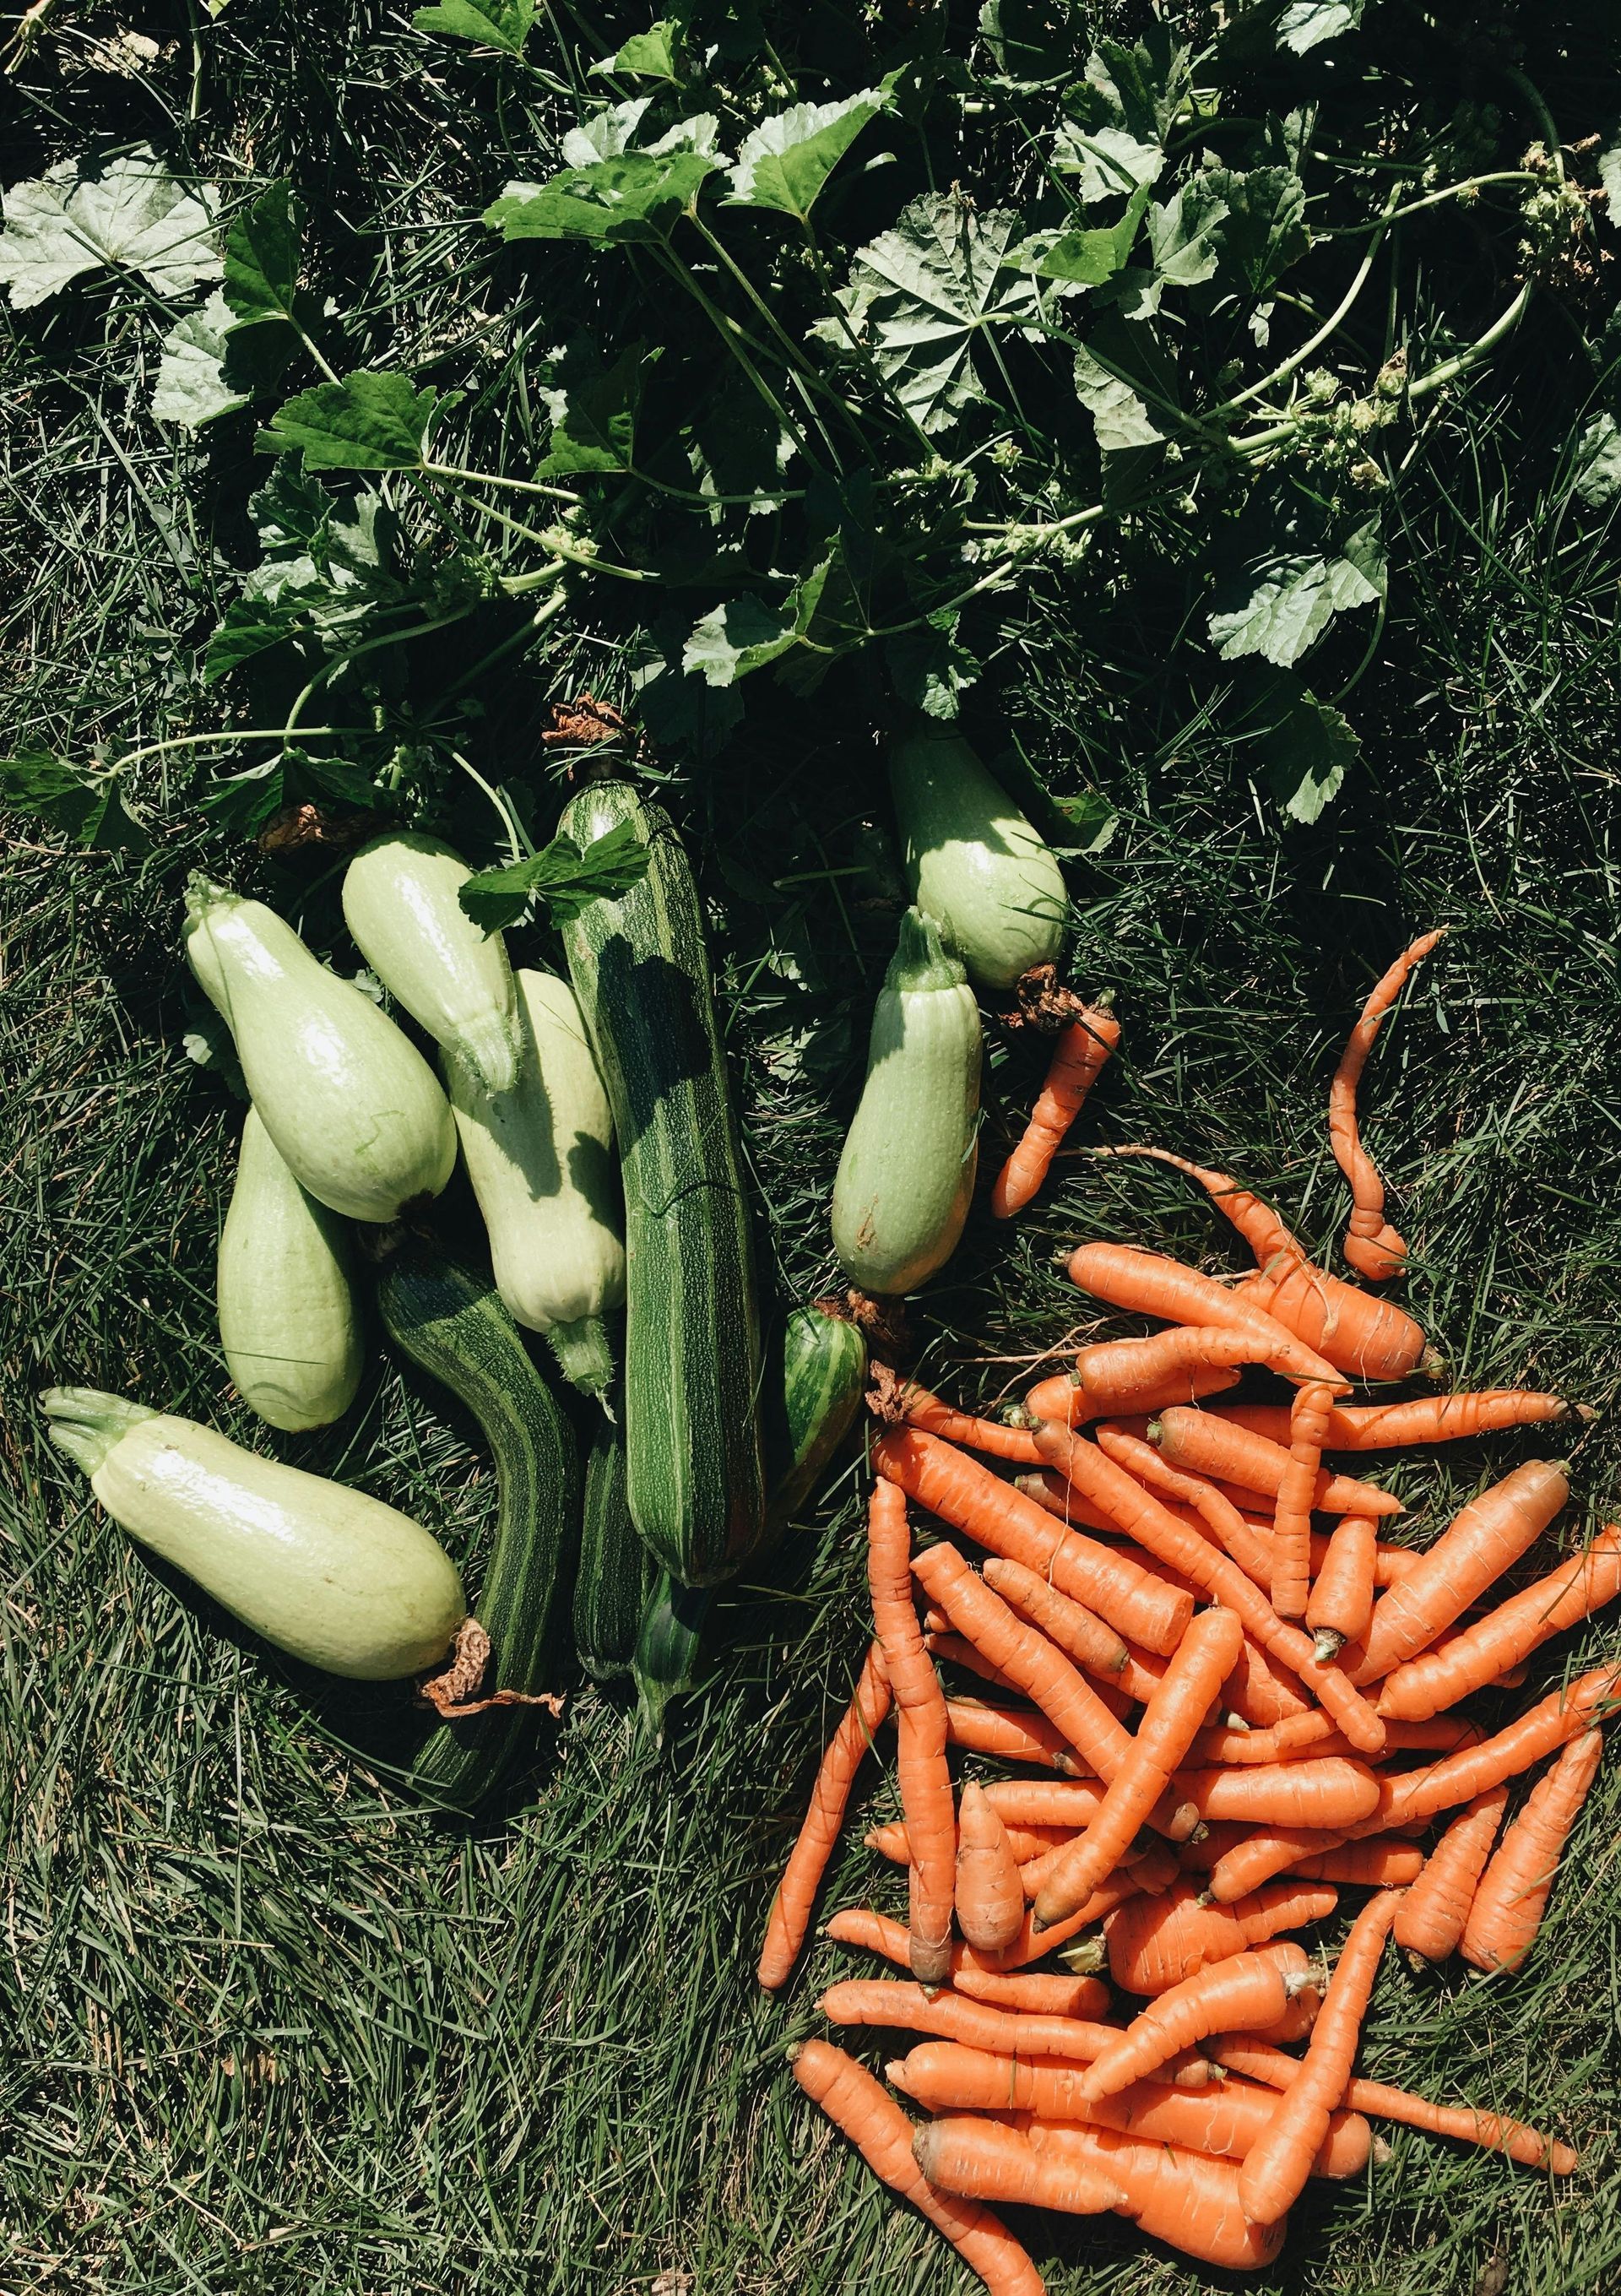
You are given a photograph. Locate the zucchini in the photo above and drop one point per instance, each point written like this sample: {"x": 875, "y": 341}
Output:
{"x": 667, "y": 1648}
{"x": 401, "y": 906}
{"x": 976, "y": 864}
{"x": 824, "y": 1370}
{"x": 288, "y": 1322}
{"x": 353, "y": 1107}
{"x": 540, "y": 1157}
{"x": 641, "y": 972}
{"x": 453, "y": 1324}
{"x": 327, "y": 1574}
{"x": 906, "y": 1176}
{"x": 617, "y": 1574}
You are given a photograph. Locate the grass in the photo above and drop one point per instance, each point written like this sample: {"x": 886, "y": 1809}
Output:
{"x": 273, "y": 2027}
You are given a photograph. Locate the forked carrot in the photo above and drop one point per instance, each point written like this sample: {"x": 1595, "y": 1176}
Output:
{"x": 1185, "y": 2198}
{"x": 1428, "y": 1419}
{"x": 968, "y": 1497}
{"x": 990, "y": 1902}
{"x": 919, "y": 1716}
{"x": 902, "y": 1402}
{"x": 1340, "y": 1605}
{"x": 1088, "y": 1035}
{"x": 1508, "y": 1907}
{"x": 1479, "y": 1544}
{"x": 1155, "y": 1942}
{"x": 1148, "y": 1283}
{"x": 868, "y": 2115}
{"x": 1371, "y": 1246}
{"x": 1258, "y": 2061}
{"x": 1252, "y": 1988}
{"x": 1292, "y": 1522}
{"x": 1264, "y": 1852}
{"x": 1206, "y": 1444}
{"x": 796, "y": 1892}
{"x": 1312, "y": 1737}
{"x": 1115, "y": 1377}
{"x": 980, "y": 2158}
{"x": 1430, "y": 1920}
{"x": 1063, "y": 1397}
{"x": 1079, "y": 1633}
{"x": 980, "y": 1728}
{"x": 1277, "y": 2165}
{"x": 1259, "y": 1693}
{"x": 1466, "y": 1661}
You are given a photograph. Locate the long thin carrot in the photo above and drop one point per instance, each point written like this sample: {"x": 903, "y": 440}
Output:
{"x": 1206, "y": 1444}
{"x": 963, "y": 1493}
{"x": 1078, "y": 1631}
{"x": 1063, "y": 1395}
{"x": 1371, "y": 1245}
{"x": 1115, "y": 1377}
{"x": 1067, "y": 1803}
{"x": 876, "y": 1933}
{"x": 1508, "y": 1907}
{"x": 1370, "y": 1338}
{"x": 1194, "y": 1675}
{"x": 796, "y": 1892}
{"x": 1331, "y": 1793}
{"x": 1258, "y": 2061}
{"x": 1185, "y": 2198}
{"x": 1292, "y": 1522}
{"x": 1147, "y": 1284}
{"x": 1264, "y": 1852}
{"x": 979, "y": 2158}
{"x": 953, "y": 2017}
{"x": 952, "y": 1649}
{"x": 1339, "y": 1607}
{"x": 920, "y": 1714}
{"x": 1312, "y": 1737}
{"x": 1506, "y": 1636}
{"x": 1033, "y": 1992}
{"x": 1155, "y": 1942}
{"x": 868, "y": 2115}
{"x": 990, "y": 1903}
{"x": 1382, "y": 1863}
{"x": 1024, "y": 1841}
{"x": 980, "y": 1728}
{"x": 902, "y": 1402}
{"x": 1430, "y": 1921}
{"x": 1088, "y": 1035}
{"x": 1143, "y": 1518}
{"x": 1428, "y": 1419}
{"x": 1459, "y": 1777}
{"x": 1479, "y": 1544}
{"x": 1276, "y": 2167}
{"x": 1251, "y": 1989}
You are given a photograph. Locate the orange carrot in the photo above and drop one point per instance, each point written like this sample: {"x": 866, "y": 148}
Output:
{"x": 1260, "y": 2062}
{"x": 1076, "y": 1630}
{"x": 876, "y": 1933}
{"x": 1033, "y": 1992}
{"x": 1068, "y": 1804}
{"x": 1508, "y": 1906}
{"x": 1549, "y": 1724}
{"x": 1371, "y": 1245}
{"x": 1506, "y": 1636}
{"x": 1085, "y": 1043}
{"x": 1260, "y": 1693}
{"x": 1340, "y": 1605}
{"x": 920, "y": 1714}
{"x": 861, "y": 2106}
{"x": 990, "y": 1903}
{"x": 903, "y": 1402}
{"x": 1430, "y": 1921}
{"x": 796, "y": 1892}
{"x": 1292, "y": 1522}
{"x": 971, "y": 1499}
{"x": 1428, "y": 1419}
{"x": 1143, "y": 1518}
{"x": 1276, "y": 2167}
{"x": 956, "y": 2017}
{"x": 1009, "y": 1737}
{"x": 1195, "y": 1673}
{"x": 1312, "y": 1738}
{"x": 1251, "y": 1989}
{"x": 1182, "y": 2197}
{"x": 1479, "y": 1544}
{"x": 1147, "y": 1284}
{"x": 1370, "y": 1338}
{"x": 1207, "y": 1445}
{"x": 980, "y": 2158}
{"x": 1264, "y": 1852}
{"x": 1024, "y": 1841}
{"x": 1115, "y": 1377}
{"x": 1333, "y": 1793}
{"x": 1381, "y": 1863}
{"x": 1155, "y": 1942}
{"x": 1064, "y": 1397}
{"x": 955, "y": 1652}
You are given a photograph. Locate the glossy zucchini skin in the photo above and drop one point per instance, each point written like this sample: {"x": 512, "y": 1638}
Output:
{"x": 452, "y": 1323}
{"x": 824, "y": 1370}
{"x": 641, "y": 972}
{"x": 401, "y": 906}
{"x": 616, "y": 1573}
{"x": 289, "y": 1325}
{"x": 905, "y": 1174}
{"x": 975, "y": 863}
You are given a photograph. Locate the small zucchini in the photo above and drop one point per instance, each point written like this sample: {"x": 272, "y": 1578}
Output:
{"x": 975, "y": 863}
{"x": 824, "y": 1370}
{"x": 453, "y": 1324}
{"x": 905, "y": 1176}
{"x": 669, "y": 1647}
{"x": 325, "y": 1573}
{"x": 401, "y": 906}
{"x": 288, "y": 1322}
{"x": 617, "y": 1574}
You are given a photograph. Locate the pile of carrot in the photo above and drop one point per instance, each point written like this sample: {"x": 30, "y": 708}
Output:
{"x": 1220, "y": 1698}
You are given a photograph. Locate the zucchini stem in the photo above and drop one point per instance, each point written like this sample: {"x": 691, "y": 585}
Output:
{"x": 87, "y": 1424}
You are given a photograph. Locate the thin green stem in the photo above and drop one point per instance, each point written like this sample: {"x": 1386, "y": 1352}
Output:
{"x": 734, "y": 336}
{"x": 514, "y": 846}
{"x": 554, "y": 543}
{"x": 546, "y": 611}
{"x": 223, "y": 739}
{"x": 1313, "y": 343}
{"x": 498, "y": 478}
{"x": 1457, "y": 191}
{"x": 1451, "y": 369}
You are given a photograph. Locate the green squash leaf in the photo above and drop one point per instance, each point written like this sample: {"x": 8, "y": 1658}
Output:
{"x": 565, "y": 878}
{"x": 262, "y": 259}
{"x": 1286, "y": 601}
{"x": 593, "y": 415}
{"x": 1598, "y": 479}
{"x": 1305, "y": 745}
{"x": 502, "y": 24}
{"x": 211, "y": 365}
{"x": 89, "y": 809}
{"x": 786, "y": 160}
{"x": 368, "y": 422}
{"x": 652, "y": 54}
{"x": 129, "y": 216}
{"x": 638, "y": 197}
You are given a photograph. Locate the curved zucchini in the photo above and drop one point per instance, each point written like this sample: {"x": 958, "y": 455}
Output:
{"x": 453, "y": 1323}
{"x": 667, "y": 1648}
{"x": 616, "y": 1573}
{"x": 401, "y": 906}
{"x": 327, "y": 1574}
{"x": 975, "y": 863}
{"x": 905, "y": 1176}
{"x": 692, "y": 1345}
{"x": 824, "y": 1370}
{"x": 540, "y": 1157}
{"x": 288, "y": 1324}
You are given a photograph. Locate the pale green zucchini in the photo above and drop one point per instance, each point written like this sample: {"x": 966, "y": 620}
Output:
{"x": 905, "y": 1176}
{"x": 401, "y": 906}
{"x": 353, "y": 1107}
{"x": 289, "y": 1325}
{"x": 327, "y": 1574}
{"x": 975, "y": 863}
{"x": 540, "y": 1157}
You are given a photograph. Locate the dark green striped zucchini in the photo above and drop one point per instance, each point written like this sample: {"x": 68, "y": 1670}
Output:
{"x": 641, "y": 972}
{"x": 453, "y": 1323}
{"x": 824, "y": 1369}
{"x": 669, "y": 1647}
{"x": 616, "y": 1573}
